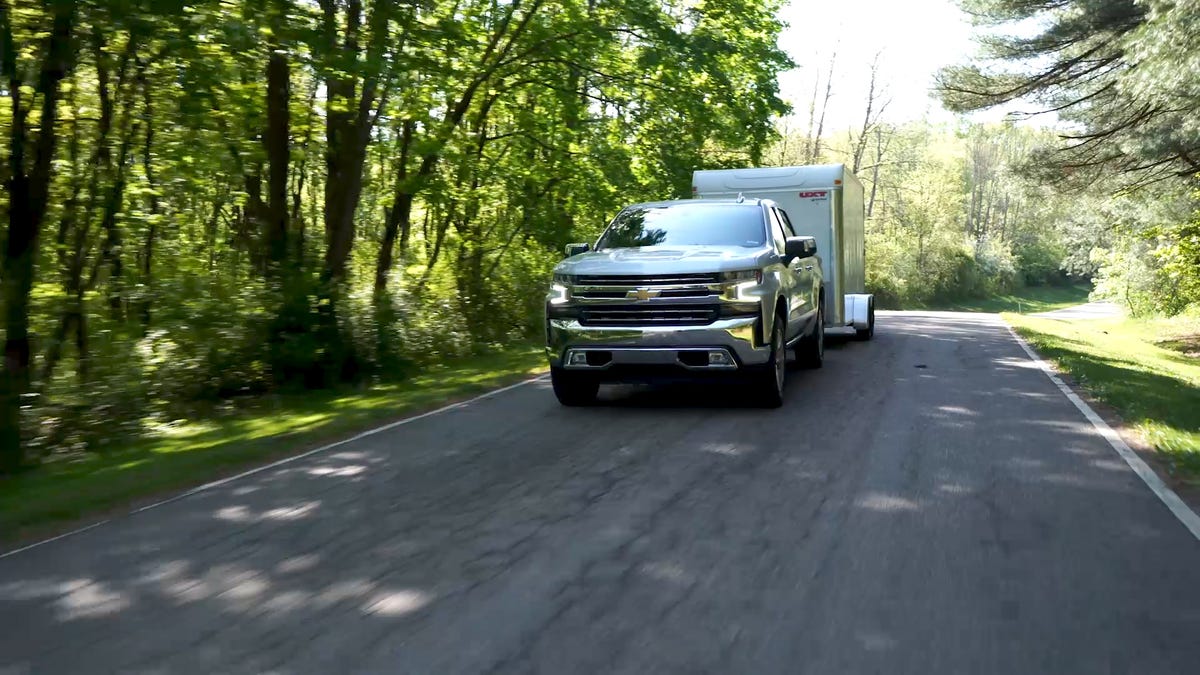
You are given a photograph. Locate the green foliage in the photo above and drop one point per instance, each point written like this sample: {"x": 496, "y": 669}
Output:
{"x": 258, "y": 195}
{"x": 951, "y": 216}
{"x": 1125, "y": 76}
{"x": 1026, "y": 300}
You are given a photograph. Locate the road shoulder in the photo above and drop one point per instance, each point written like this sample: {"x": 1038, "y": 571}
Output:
{"x": 1180, "y": 496}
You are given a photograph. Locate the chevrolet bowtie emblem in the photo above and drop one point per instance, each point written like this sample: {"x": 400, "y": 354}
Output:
{"x": 643, "y": 294}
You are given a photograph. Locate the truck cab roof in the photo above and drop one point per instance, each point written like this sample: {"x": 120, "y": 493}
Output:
{"x": 752, "y": 201}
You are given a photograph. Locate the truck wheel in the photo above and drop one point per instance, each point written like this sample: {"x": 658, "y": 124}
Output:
{"x": 573, "y": 389}
{"x": 868, "y": 332}
{"x": 768, "y": 381}
{"x": 811, "y": 351}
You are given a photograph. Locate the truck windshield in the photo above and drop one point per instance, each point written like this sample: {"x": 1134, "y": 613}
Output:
{"x": 687, "y": 225}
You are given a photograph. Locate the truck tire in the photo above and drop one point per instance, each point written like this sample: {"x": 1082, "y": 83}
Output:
{"x": 767, "y": 381}
{"x": 573, "y": 389}
{"x": 810, "y": 353}
{"x": 868, "y": 332}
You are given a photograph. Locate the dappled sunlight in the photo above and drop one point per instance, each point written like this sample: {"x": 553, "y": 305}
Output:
{"x": 341, "y": 591}
{"x": 292, "y": 512}
{"x": 1016, "y": 362}
{"x": 884, "y": 503}
{"x": 286, "y": 602}
{"x": 1027, "y": 462}
{"x": 957, "y": 410}
{"x": 235, "y": 514}
{"x": 341, "y": 471}
{"x": 1080, "y": 427}
{"x": 300, "y": 563}
{"x": 396, "y": 603}
{"x": 876, "y": 640}
{"x": 955, "y": 489}
{"x": 667, "y": 571}
{"x": 89, "y": 599}
{"x": 239, "y": 513}
{"x": 248, "y": 587}
{"x": 727, "y": 449}
{"x": 31, "y": 589}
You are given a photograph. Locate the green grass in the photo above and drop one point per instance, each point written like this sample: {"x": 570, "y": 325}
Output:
{"x": 1023, "y": 301}
{"x": 1148, "y": 370}
{"x": 198, "y": 451}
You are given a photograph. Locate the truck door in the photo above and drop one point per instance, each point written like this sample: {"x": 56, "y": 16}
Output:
{"x": 797, "y": 281}
{"x": 809, "y": 270}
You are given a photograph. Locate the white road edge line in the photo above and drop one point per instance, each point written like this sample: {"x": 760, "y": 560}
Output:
{"x": 286, "y": 460}
{"x": 1160, "y": 489}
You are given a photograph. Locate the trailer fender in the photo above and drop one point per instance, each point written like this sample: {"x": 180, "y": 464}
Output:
{"x": 858, "y": 310}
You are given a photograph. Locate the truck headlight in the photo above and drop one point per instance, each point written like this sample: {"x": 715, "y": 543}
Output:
{"x": 560, "y": 294}
{"x": 742, "y": 276}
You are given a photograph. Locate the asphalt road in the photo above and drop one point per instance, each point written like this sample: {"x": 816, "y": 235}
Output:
{"x": 926, "y": 503}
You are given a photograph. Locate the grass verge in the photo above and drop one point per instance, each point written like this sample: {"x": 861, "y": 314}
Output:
{"x": 199, "y": 451}
{"x": 1023, "y": 301}
{"x": 1147, "y": 370}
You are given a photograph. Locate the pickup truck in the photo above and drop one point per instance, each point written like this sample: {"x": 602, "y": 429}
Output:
{"x": 696, "y": 288}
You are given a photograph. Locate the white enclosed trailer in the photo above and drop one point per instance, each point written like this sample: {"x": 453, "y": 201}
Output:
{"x": 822, "y": 201}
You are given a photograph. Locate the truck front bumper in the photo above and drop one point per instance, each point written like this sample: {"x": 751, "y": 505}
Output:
{"x": 698, "y": 349}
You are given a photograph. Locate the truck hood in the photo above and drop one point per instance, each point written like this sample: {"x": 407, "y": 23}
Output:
{"x": 665, "y": 260}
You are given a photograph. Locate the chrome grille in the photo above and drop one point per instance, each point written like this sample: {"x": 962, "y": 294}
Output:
{"x": 600, "y": 293}
{"x": 647, "y": 280}
{"x": 648, "y": 315}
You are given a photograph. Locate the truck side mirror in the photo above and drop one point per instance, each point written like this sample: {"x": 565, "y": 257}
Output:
{"x": 800, "y": 247}
{"x": 576, "y": 249}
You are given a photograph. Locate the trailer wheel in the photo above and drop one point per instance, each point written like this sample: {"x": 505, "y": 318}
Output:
{"x": 573, "y": 389}
{"x": 868, "y": 332}
{"x": 810, "y": 353}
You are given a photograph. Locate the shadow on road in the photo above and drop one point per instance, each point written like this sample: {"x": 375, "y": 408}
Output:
{"x": 729, "y": 394}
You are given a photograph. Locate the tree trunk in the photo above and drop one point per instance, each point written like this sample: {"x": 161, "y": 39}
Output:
{"x": 879, "y": 150}
{"x": 816, "y": 146}
{"x": 277, "y": 141}
{"x": 298, "y": 220}
{"x": 147, "y": 256}
{"x": 399, "y": 215}
{"x": 350, "y": 99}
{"x": 28, "y": 191}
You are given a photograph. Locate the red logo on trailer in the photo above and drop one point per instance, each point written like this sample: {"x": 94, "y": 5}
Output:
{"x": 808, "y": 195}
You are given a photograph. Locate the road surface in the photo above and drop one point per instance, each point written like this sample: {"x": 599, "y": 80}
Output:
{"x": 926, "y": 503}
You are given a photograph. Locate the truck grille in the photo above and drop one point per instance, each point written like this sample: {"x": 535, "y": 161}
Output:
{"x": 658, "y": 315}
{"x": 647, "y": 280}
{"x": 693, "y": 292}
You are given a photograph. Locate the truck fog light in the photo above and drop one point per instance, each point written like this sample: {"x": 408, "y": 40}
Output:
{"x": 719, "y": 359}
{"x": 577, "y": 359}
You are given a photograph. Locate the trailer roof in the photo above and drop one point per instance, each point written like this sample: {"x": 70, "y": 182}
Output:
{"x": 752, "y": 201}
{"x": 785, "y": 177}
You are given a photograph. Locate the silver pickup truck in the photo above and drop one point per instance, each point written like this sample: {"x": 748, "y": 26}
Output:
{"x": 686, "y": 289}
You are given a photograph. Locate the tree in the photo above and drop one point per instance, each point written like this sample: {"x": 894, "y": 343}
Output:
{"x": 227, "y": 185}
{"x": 31, "y": 152}
{"x": 1111, "y": 67}
{"x": 876, "y": 105}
